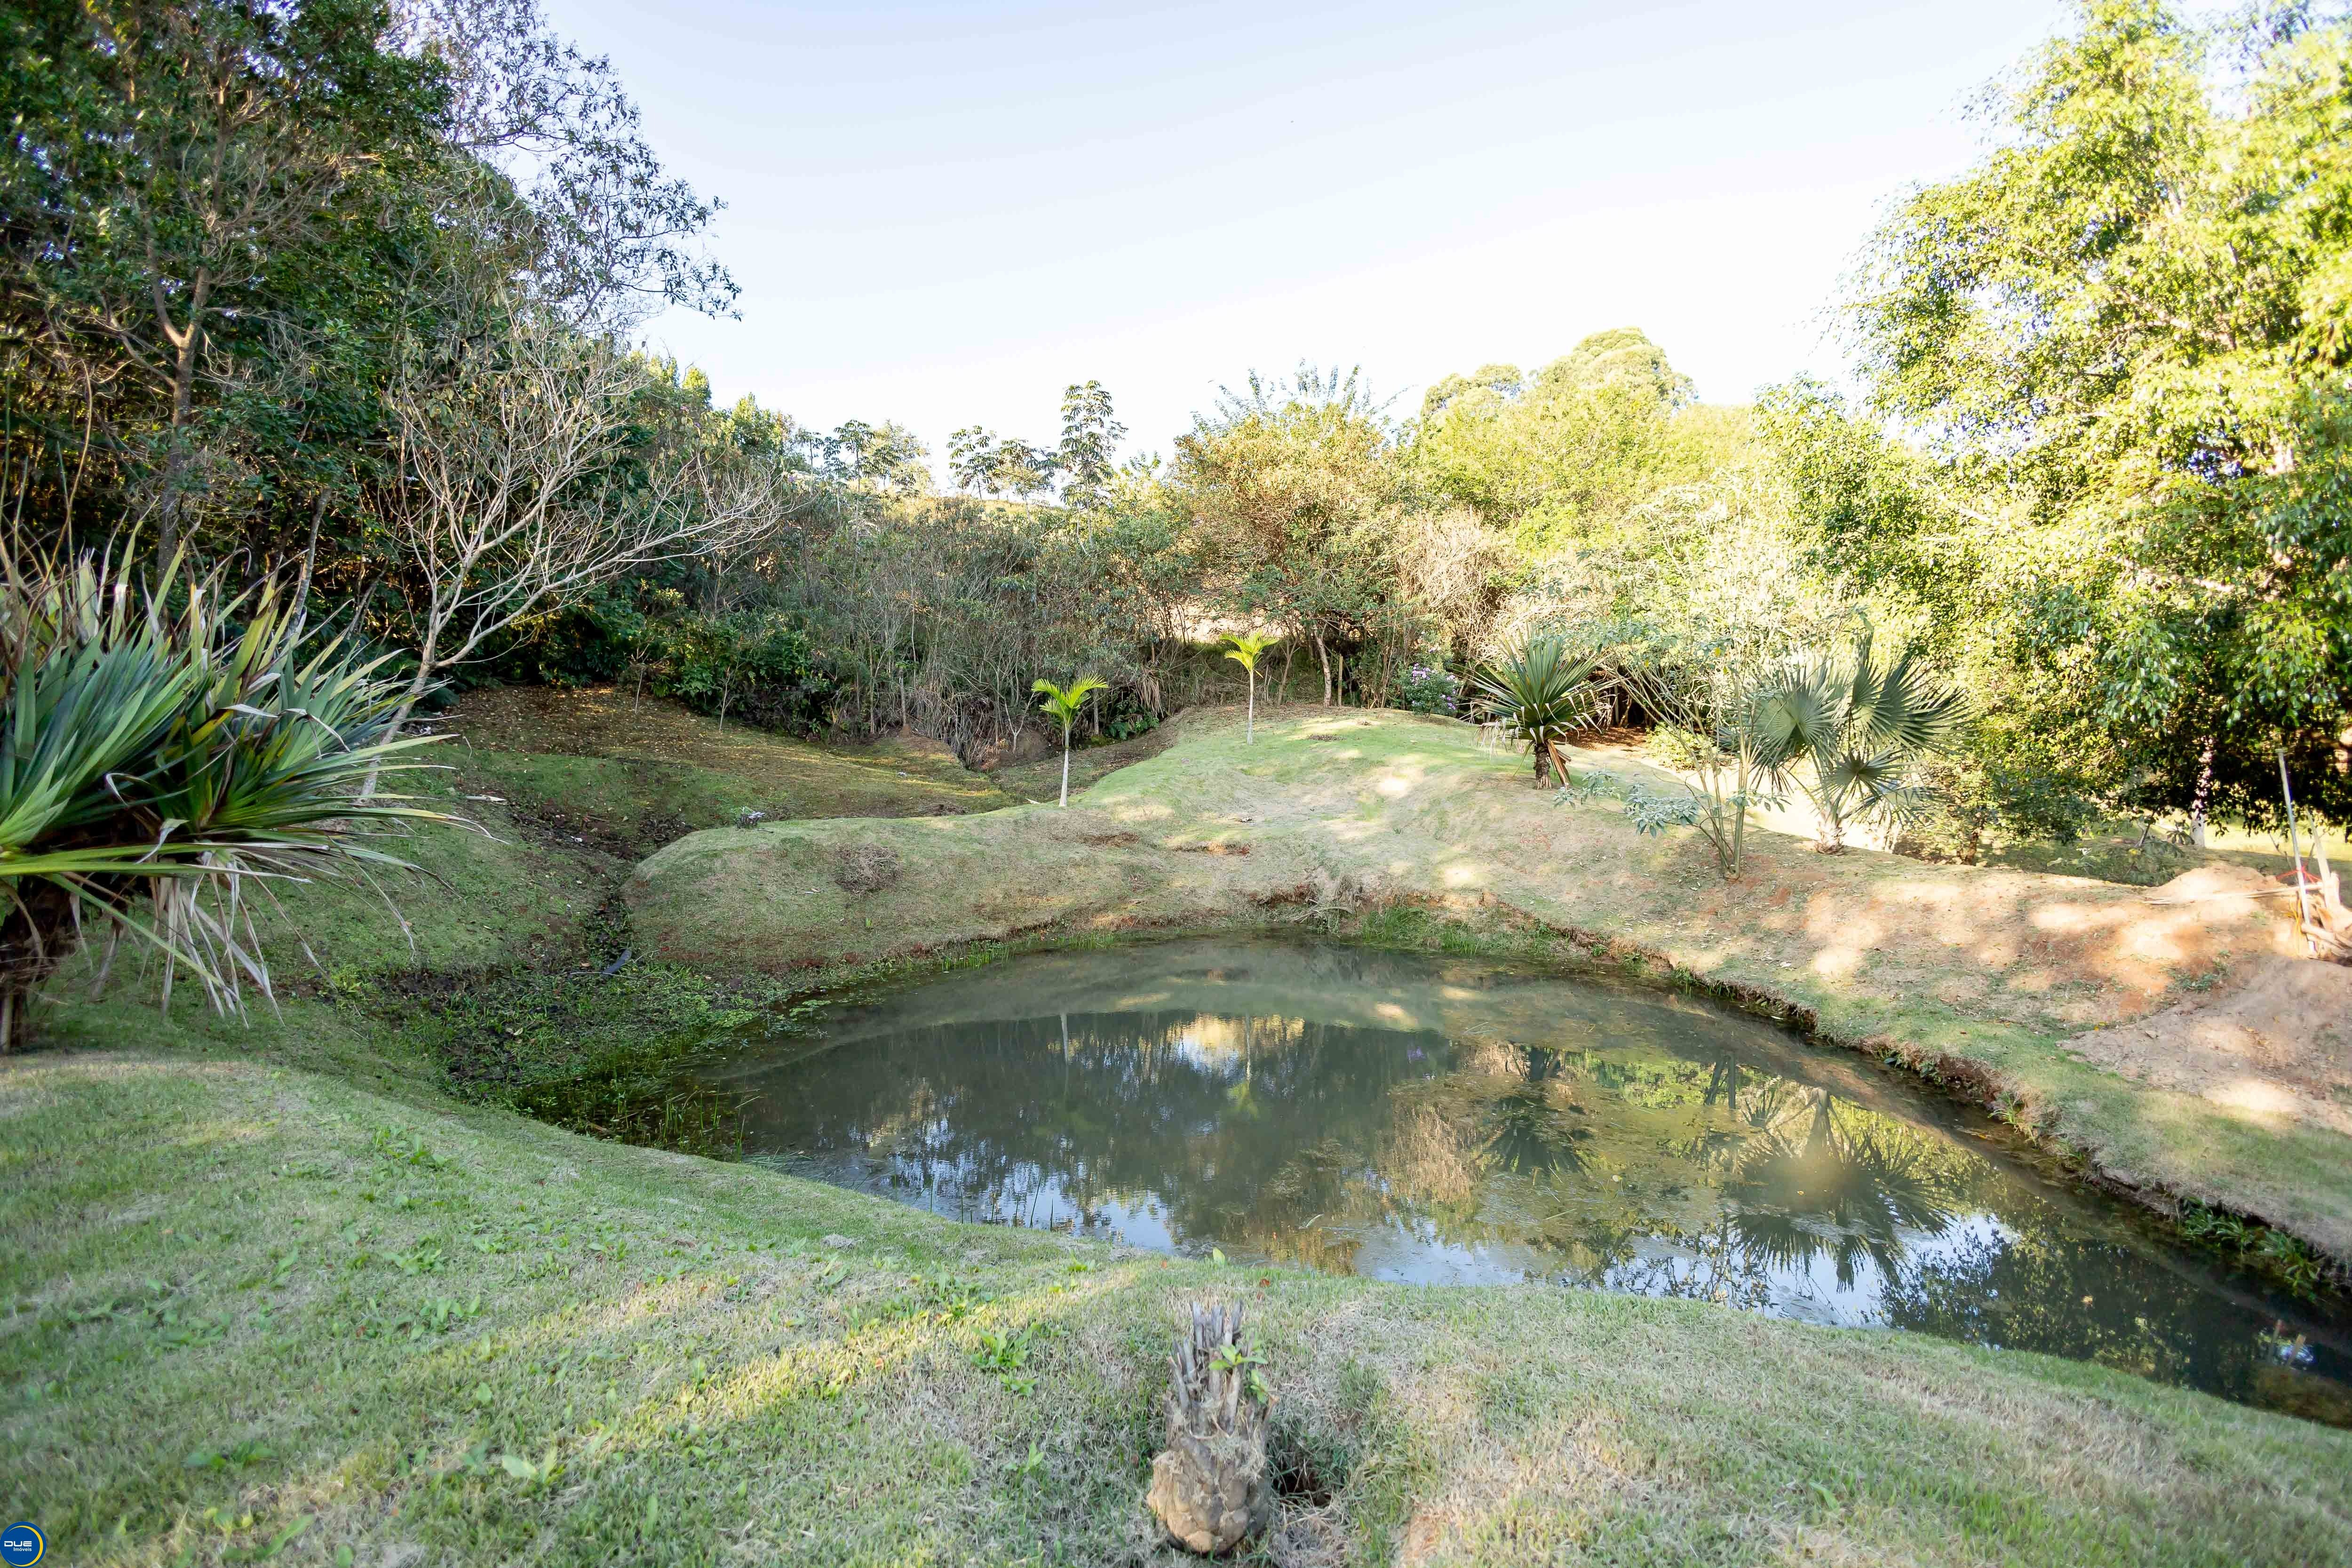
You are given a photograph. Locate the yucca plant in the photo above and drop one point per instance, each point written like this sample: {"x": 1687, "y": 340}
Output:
{"x": 1067, "y": 706}
{"x": 1540, "y": 693}
{"x": 1244, "y": 652}
{"x": 1849, "y": 728}
{"x": 164, "y": 750}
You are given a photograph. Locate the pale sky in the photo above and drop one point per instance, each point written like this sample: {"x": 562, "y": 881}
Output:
{"x": 943, "y": 214}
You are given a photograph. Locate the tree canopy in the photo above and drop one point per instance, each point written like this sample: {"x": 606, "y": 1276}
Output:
{"x": 2120, "y": 344}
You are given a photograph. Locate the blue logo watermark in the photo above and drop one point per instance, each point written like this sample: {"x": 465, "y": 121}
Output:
{"x": 21, "y": 1544}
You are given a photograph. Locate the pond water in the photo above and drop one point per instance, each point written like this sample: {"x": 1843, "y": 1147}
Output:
{"x": 1459, "y": 1121}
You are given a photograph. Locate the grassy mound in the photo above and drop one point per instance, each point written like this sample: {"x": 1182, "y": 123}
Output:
{"x": 255, "y": 1311}
{"x": 628, "y": 776}
{"x": 1980, "y": 977}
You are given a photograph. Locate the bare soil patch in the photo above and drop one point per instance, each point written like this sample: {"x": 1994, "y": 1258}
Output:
{"x": 2278, "y": 1042}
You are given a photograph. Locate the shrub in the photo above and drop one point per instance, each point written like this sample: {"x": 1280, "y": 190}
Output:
{"x": 756, "y": 669}
{"x": 1973, "y": 795}
{"x": 1850, "y": 728}
{"x": 1429, "y": 687}
{"x": 161, "y": 762}
{"x": 1540, "y": 693}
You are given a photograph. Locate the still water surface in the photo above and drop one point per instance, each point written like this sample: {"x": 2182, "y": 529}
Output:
{"x": 1452, "y": 1121}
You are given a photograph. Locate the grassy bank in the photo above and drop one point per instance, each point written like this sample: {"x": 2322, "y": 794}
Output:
{"x": 277, "y": 1294}
{"x": 250, "y": 1305}
{"x": 628, "y": 776}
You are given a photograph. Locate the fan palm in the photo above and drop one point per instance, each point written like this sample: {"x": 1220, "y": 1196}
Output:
{"x": 154, "y": 759}
{"x": 1066, "y": 706}
{"x": 1540, "y": 693}
{"x": 1244, "y": 652}
{"x": 1850, "y": 728}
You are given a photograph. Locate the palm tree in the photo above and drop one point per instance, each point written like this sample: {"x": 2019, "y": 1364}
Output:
{"x": 1542, "y": 694}
{"x": 1850, "y": 728}
{"x": 156, "y": 760}
{"x": 1244, "y": 652}
{"x": 1064, "y": 706}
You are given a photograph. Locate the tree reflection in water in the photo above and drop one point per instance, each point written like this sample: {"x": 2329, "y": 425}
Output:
{"x": 1636, "y": 1161}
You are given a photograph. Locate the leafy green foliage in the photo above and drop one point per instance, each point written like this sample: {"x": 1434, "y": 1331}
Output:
{"x": 1975, "y": 792}
{"x": 758, "y": 667}
{"x": 1560, "y": 458}
{"x": 2121, "y": 336}
{"x": 1541, "y": 692}
{"x": 1849, "y": 726}
{"x": 1293, "y": 488}
{"x": 1428, "y": 686}
{"x": 159, "y": 760}
{"x": 1722, "y": 777}
{"x": 2258, "y": 1246}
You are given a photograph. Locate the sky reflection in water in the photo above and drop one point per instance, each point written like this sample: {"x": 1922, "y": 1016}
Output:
{"x": 1458, "y": 1123}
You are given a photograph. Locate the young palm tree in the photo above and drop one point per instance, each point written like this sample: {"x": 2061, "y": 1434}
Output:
{"x": 1849, "y": 729}
{"x": 1244, "y": 652}
{"x": 156, "y": 756}
{"x": 1066, "y": 706}
{"x": 1542, "y": 694}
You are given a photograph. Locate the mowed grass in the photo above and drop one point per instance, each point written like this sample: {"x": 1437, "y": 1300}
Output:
{"x": 259, "y": 1313}
{"x": 597, "y": 767}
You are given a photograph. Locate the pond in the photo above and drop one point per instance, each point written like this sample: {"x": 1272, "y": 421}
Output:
{"x": 1461, "y": 1121}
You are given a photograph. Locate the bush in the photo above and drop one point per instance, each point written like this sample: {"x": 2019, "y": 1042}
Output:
{"x": 1429, "y": 688}
{"x": 757, "y": 668}
{"x": 1973, "y": 795}
{"x": 1541, "y": 692}
{"x": 166, "y": 748}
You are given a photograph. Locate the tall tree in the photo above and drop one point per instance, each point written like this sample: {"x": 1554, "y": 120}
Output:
{"x": 1292, "y": 487}
{"x": 1559, "y": 457}
{"x": 614, "y": 234}
{"x": 2126, "y": 330}
{"x": 972, "y": 459}
{"x": 514, "y": 495}
{"x": 1089, "y": 453}
{"x": 885, "y": 457}
{"x": 173, "y": 156}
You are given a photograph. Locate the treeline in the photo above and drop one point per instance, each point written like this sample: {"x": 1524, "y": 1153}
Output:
{"x": 347, "y": 291}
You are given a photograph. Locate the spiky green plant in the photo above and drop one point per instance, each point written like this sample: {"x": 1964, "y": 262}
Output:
{"x": 1849, "y": 728}
{"x": 164, "y": 752}
{"x": 1245, "y": 651}
{"x": 1540, "y": 693}
{"x": 1066, "y": 706}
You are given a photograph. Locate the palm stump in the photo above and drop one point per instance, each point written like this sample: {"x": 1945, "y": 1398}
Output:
{"x": 1209, "y": 1485}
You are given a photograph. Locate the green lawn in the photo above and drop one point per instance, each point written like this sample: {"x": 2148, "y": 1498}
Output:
{"x": 253, "y": 1306}
{"x": 277, "y": 1292}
